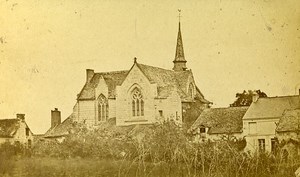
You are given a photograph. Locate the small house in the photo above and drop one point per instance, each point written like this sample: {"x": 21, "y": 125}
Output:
{"x": 261, "y": 119}
{"x": 59, "y": 130}
{"x": 15, "y": 131}
{"x": 219, "y": 123}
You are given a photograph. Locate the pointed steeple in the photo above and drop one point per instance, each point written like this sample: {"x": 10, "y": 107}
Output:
{"x": 179, "y": 61}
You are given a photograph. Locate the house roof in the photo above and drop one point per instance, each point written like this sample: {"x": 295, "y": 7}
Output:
{"x": 290, "y": 121}
{"x": 271, "y": 107}
{"x": 8, "y": 127}
{"x": 166, "y": 80}
{"x": 221, "y": 120}
{"x": 60, "y": 129}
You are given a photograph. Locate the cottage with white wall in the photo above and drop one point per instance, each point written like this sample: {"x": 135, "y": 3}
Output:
{"x": 218, "y": 123}
{"x": 261, "y": 119}
{"x": 15, "y": 131}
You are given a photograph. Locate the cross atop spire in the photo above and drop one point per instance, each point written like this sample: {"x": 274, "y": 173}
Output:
{"x": 179, "y": 61}
{"x": 179, "y": 10}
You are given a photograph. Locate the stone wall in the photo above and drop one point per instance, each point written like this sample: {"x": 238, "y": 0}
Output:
{"x": 135, "y": 79}
{"x": 170, "y": 107}
{"x": 86, "y": 111}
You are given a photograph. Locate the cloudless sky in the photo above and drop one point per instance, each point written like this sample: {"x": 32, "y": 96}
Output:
{"x": 230, "y": 45}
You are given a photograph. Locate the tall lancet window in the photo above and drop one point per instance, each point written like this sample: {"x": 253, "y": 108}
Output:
{"x": 137, "y": 103}
{"x": 191, "y": 90}
{"x": 102, "y": 108}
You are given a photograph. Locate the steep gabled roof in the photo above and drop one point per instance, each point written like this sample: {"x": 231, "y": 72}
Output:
{"x": 60, "y": 130}
{"x": 166, "y": 80}
{"x": 221, "y": 120}
{"x": 8, "y": 127}
{"x": 290, "y": 121}
{"x": 271, "y": 107}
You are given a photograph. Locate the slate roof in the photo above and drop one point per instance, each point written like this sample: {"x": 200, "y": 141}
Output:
{"x": 290, "y": 121}
{"x": 271, "y": 107}
{"x": 8, "y": 127}
{"x": 61, "y": 129}
{"x": 112, "y": 79}
{"x": 221, "y": 120}
{"x": 166, "y": 80}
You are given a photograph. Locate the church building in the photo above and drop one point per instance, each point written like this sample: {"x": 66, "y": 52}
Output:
{"x": 141, "y": 95}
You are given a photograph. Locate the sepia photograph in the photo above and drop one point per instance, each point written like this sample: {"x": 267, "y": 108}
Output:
{"x": 139, "y": 88}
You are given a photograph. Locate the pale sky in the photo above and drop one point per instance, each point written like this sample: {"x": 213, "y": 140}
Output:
{"x": 230, "y": 45}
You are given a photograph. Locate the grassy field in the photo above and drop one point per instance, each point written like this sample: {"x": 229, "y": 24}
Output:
{"x": 49, "y": 167}
{"x": 77, "y": 167}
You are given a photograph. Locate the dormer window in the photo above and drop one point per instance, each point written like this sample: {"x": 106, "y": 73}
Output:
{"x": 137, "y": 103}
{"x": 202, "y": 130}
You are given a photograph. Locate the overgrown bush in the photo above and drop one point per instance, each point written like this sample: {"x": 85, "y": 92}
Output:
{"x": 7, "y": 152}
{"x": 167, "y": 148}
{"x": 97, "y": 143}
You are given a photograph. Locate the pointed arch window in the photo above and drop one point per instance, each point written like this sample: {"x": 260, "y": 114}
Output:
{"x": 102, "y": 108}
{"x": 137, "y": 103}
{"x": 191, "y": 90}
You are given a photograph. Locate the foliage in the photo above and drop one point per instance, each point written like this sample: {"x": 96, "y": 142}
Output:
{"x": 245, "y": 98}
{"x": 97, "y": 143}
{"x": 148, "y": 150}
{"x": 7, "y": 152}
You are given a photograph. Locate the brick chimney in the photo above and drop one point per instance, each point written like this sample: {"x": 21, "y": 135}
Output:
{"x": 89, "y": 74}
{"x": 21, "y": 117}
{"x": 255, "y": 97}
{"x": 55, "y": 117}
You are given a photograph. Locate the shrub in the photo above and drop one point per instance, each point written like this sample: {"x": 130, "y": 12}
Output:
{"x": 165, "y": 147}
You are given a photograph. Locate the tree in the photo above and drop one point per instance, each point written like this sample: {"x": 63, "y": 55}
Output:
{"x": 245, "y": 98}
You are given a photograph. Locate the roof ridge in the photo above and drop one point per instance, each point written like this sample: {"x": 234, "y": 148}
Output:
{"x": 284, "y": 96}
{"x": 155, "y": 67}
{"x": 230, "y": 107}
{"x": 110, "y": 72}
{"x": 9, "y": 119}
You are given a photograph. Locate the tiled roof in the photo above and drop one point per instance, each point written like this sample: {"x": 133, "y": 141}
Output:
{"x": 166, "y": 80}
{"x": 61, "y": 129}
{"x": 290, "y": 121}
{"x": 271, "y": 107}
{"x": 221, "y": 120}
{"x": 8, "y": 127}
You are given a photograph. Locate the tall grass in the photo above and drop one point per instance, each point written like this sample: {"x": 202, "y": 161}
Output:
{"x": 157, "y": 150}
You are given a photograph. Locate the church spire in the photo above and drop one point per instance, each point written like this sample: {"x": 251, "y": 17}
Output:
{"x": 179, "y": 61}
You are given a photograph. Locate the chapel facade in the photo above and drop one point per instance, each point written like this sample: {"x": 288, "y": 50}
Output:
{"x": 141, "y": 95}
